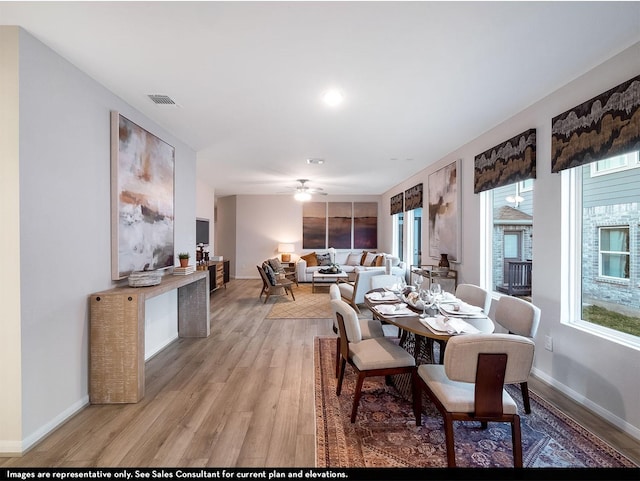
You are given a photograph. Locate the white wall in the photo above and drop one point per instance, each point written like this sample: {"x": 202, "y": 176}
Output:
{"x": 264, "y": 221}
{"x": 64, "y": 159}
{"x": 599, "y": 373}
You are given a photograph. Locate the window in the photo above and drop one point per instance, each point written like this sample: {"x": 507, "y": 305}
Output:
{"x": 398, "y": 235}
{"x": 614, "y": 252}
{"x": 603, "y": 239}
{"x": 511, "y": 225}
{"x": 614, "y": 164}
{"x": 414, "y": 236}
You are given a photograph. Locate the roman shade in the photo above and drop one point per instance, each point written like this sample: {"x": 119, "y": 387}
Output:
{"x": 605, "y": 126}
{"x": 511, "y": 161}
{"x": 413, "y": 197}
{"x": 397, "y": 204}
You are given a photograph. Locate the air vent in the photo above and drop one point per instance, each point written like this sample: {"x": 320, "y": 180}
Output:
{"x": 160, "y": 99}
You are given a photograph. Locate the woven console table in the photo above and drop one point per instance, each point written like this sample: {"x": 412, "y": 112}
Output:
{"x": 117, "y": 366}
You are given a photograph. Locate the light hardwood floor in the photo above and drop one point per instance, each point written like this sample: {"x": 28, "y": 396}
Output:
{"x": 244, "y": 397}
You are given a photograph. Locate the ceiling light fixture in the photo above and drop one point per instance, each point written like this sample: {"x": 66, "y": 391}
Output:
{"x": 333, "y": 97}
{"x": 302, "y": 196}
{"x": 315, "y": 161}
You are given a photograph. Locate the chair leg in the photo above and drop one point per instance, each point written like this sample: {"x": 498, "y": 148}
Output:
{"x": 516, "y": 437}
{"x": 417, "y": 397}
{"x": 525, "y": 397}
{"x": 337, "y": 356}
{"x": 292, "y": 296}
{"x": 343, "y": 364}
{"x": 356, "y": 396}
{"x": 448, "y": 436}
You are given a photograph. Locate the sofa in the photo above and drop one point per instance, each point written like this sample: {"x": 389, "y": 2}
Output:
{"x": 349, "y": 261}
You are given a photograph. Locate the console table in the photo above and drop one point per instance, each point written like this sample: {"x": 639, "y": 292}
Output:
{"x": 117, "y": 366}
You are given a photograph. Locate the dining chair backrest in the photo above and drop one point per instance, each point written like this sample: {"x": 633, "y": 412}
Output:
{"x": 517, "y": 316}
{"x": 363, "y": 284}
{"x": 461, "y": 356}
{"x": 384, "y": 280}
{"x": 334, "y": 291}
{"x": 345, "y": 313}
{"x": 475, "y": 296}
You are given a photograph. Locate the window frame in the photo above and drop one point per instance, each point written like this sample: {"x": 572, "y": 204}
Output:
{"x": 632, "y": 162}
{"x": 571, "y": 266}
{"x": 601, "y": 253}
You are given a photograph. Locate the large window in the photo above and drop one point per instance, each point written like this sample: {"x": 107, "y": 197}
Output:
{"x": 511, "y": 227}
{"x": 414, "y": 236}
{"x": 398, "y": 235}
{"x": 602, "y": 200}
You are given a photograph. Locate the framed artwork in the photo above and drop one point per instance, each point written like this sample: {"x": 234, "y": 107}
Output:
{"x": 444, "y": 212}
{"x": 142, "y": 199}
{"x": 314, "y": 225}
{"x": 365, "y": 225}
{"x": 339, "y": 224}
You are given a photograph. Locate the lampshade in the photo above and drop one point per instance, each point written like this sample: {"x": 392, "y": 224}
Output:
{"x": 286, "y": 248}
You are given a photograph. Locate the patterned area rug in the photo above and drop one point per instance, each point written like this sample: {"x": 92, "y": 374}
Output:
{"x": 307, "y": 305}
{"x": 385, "y": 434}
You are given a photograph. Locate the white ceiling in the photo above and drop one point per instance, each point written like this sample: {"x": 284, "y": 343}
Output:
{"x": 420, "y": 78}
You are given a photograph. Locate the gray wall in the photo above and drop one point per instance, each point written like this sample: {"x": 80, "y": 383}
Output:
{"x": 65, "y": 225}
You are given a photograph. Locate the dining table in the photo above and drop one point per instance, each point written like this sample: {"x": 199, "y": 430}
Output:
{"x": 417, "y": 336}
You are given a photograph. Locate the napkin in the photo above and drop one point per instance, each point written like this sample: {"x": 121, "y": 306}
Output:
{"x": 381, "y": 296}
{"x": 400, "y": 309}
{"x": 462, "y": 309}
{"x": 450, "y": 326}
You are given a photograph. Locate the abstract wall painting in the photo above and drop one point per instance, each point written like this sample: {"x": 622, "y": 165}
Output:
{"x": 444, "y": 212}
{"x": 142, "y": 199}
{"x": 314, "y": 225}
{"x": 340, "y": 216}
{"x": 365, "y": 225}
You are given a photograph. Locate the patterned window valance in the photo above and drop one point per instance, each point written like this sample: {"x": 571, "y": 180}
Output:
{"x": 397, "y": 204}
{"x": 507, "y": 163}
{"x": 603, "y": 127}
{"x": 413, "y": 197}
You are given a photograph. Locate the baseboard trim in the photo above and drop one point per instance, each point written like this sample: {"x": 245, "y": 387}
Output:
{"x": 19, "y": 448}
{"x": 608, "y": 416}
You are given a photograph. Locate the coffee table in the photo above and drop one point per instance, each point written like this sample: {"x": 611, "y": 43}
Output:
{"x": 319, "y": 277}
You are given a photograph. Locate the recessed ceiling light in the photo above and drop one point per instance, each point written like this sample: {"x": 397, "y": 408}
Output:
{"x": 333, "y": 97}
{"x": 315, "y": 161}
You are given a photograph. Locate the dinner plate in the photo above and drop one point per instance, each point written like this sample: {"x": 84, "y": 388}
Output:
{"x": 444, "y": 325}
{"x": 461, "y": 309}
{"x": 394, "y": 310}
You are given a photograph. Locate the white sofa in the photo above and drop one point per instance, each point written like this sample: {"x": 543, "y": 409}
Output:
{"x": 350, "y": 262}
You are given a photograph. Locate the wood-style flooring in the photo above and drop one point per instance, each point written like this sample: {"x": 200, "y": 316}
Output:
{"x": 244, "y": 397}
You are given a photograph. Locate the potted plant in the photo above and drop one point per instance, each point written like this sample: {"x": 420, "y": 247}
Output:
{"x": 184, "y": 259}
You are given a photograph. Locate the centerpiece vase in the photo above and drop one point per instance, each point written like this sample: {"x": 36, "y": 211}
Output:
{"x": 444, "y": 261}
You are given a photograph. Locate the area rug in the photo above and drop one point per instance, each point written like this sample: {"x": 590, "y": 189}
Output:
{"x": 307, "y": 305}
{"x": 385, "y": 434}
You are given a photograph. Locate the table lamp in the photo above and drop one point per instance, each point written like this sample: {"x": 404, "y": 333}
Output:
{"x": 285, "y": 250}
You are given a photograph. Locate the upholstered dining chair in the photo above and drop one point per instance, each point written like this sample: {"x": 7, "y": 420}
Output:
{"x": 275, "y": 286}
{"x": 370, "y": 328}
{"x": 353, "y": 292}
{"x": 368, "y": 357}
{"x": 475, "y": 296}
{"x": 519, "y": 317}
{"x": 469, "y": 386}
{"x": 384, "y": 280}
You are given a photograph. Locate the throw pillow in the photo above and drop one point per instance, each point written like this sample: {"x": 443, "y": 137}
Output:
{"x": 269, "y": 272}
{"x": 369, "y": 259}
{"x": 275, "y": 264}
{"x": 324, "y": 259}
{"x": 354, "y": 259}
{"x": 379, "y": 261}
{"x": 363, "y": 257}
{"x": 312, "y": 259}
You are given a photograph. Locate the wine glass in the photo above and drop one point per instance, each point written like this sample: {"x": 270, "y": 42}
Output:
{"x": 436, "y": 291}
{"x": 427, "y": 301}
{"x": 418, "y": 282}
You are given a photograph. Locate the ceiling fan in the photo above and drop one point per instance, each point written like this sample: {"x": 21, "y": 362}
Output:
{"x": 303, "y": 192}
